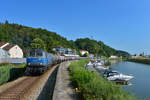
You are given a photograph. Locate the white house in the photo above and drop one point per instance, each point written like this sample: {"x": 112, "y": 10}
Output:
{"x": 3, "y": 44}
{"x": 84, "y": 52}
{"x": 4, "y": 54}
{"x": 113, "y": 57}
{"x": 14, "y": 50}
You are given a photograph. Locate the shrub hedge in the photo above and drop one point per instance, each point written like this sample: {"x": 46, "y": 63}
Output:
{"x": 93, "y": 86}
{"x": 11, "y": 72}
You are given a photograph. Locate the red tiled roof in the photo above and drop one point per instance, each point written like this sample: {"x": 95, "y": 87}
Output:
{"x": 8, "y": 47}
{"x": 2, "y": 43}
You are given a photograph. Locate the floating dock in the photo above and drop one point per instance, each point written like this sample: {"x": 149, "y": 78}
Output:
{"x": 122, "y": 82}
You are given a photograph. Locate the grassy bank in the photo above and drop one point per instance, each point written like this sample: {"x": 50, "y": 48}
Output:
{"x": 10, "y": 72}
{"x": 139, "y": 60}
{"x": 94, "y": 87}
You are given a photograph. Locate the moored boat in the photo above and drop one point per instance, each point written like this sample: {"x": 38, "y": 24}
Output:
{"x": 114, "y": 75}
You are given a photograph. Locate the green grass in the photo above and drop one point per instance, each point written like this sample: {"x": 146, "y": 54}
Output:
{"x": 93, "y": 87}
{"x": 10, "y": 72}
{"x": 139, "y": 60}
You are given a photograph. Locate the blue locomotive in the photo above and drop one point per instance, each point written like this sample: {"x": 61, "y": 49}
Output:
{"x": 39, "y": 61}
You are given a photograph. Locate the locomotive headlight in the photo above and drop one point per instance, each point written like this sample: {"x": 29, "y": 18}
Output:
{"x": 40, "y": 63}
{"x": 28, "y": 63}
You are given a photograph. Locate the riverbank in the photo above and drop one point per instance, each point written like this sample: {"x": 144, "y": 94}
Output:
{"x": 140, "y": 84}
{"x": 92, "y": 86}
{"x": 140, "y": 60}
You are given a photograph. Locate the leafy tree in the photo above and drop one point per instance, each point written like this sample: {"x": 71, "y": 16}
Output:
{"x": 6, "y": 22}
{"x": 38, "y": 43}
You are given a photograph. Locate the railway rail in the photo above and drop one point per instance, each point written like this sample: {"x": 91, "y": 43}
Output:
{"x": 17, "y": 91}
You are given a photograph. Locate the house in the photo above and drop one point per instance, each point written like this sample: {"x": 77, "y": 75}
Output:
{"x": 82, "y": 52}
{"x": 14, "y": 50}
{"x": 60, "y": 50}
{"x": 113, "y": 57}
{"x": 3, "y": 44}
{"x": 68, "y": 51}
{"x": 4, "y": 54}
{"x": 65, "y": 51}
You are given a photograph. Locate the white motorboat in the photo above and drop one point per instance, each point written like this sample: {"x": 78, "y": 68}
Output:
{"x": 114, "y": 75}
{"x": 98, "y": 64}
{"x": 90, "y": 64}
{"x": 101, "y": 67}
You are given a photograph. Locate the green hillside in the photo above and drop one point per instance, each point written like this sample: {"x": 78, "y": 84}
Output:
{"x": 95, "y": 47}
{"x": 123, "y": 54}
{"x": 23, "y": 36}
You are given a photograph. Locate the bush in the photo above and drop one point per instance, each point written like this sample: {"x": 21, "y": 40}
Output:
{"x": 10, "y": 72}
{"x": 108, "y": 63}
{"x": 92, "y": 86}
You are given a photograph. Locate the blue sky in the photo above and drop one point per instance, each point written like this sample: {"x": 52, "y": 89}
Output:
{"x": 121, "y": 24}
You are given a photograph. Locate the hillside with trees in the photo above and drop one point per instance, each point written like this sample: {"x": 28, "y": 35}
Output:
{"x": 124, "y": 54}
{"x": 23, "y": 36}
{"x": 26, "y": 37}
{"x": 95, "y": 47}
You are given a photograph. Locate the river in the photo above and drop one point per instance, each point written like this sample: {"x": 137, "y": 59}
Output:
{"x": 141, "y": 83}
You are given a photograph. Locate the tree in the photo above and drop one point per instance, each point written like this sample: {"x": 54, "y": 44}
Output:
{"x": 38, "y": 43}
{"x": 6, "y": 22}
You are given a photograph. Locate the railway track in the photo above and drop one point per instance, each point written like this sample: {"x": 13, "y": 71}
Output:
{"x": 16, "y": 92}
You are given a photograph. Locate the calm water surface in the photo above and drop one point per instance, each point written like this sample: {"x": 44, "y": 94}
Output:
{"x": 141, "y": 82}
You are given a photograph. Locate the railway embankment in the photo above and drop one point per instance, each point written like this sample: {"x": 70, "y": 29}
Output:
{"x": 63, "y": 88}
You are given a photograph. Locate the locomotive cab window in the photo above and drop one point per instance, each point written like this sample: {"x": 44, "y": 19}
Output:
{"x": 32, "y": 54}
{"x": 36, "y": 53}
{"x": 39, "y": 54}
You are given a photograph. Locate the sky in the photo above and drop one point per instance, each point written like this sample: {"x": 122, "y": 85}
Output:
{"x": 121, "y": 24}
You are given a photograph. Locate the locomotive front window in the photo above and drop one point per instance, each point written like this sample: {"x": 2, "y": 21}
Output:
{"x": 39, "y": 54}
{"x": 32, "y": 54}
{"x": 36, "y": 53}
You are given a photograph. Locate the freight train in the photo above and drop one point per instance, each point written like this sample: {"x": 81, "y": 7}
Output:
{"x": 39, "y": 61}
